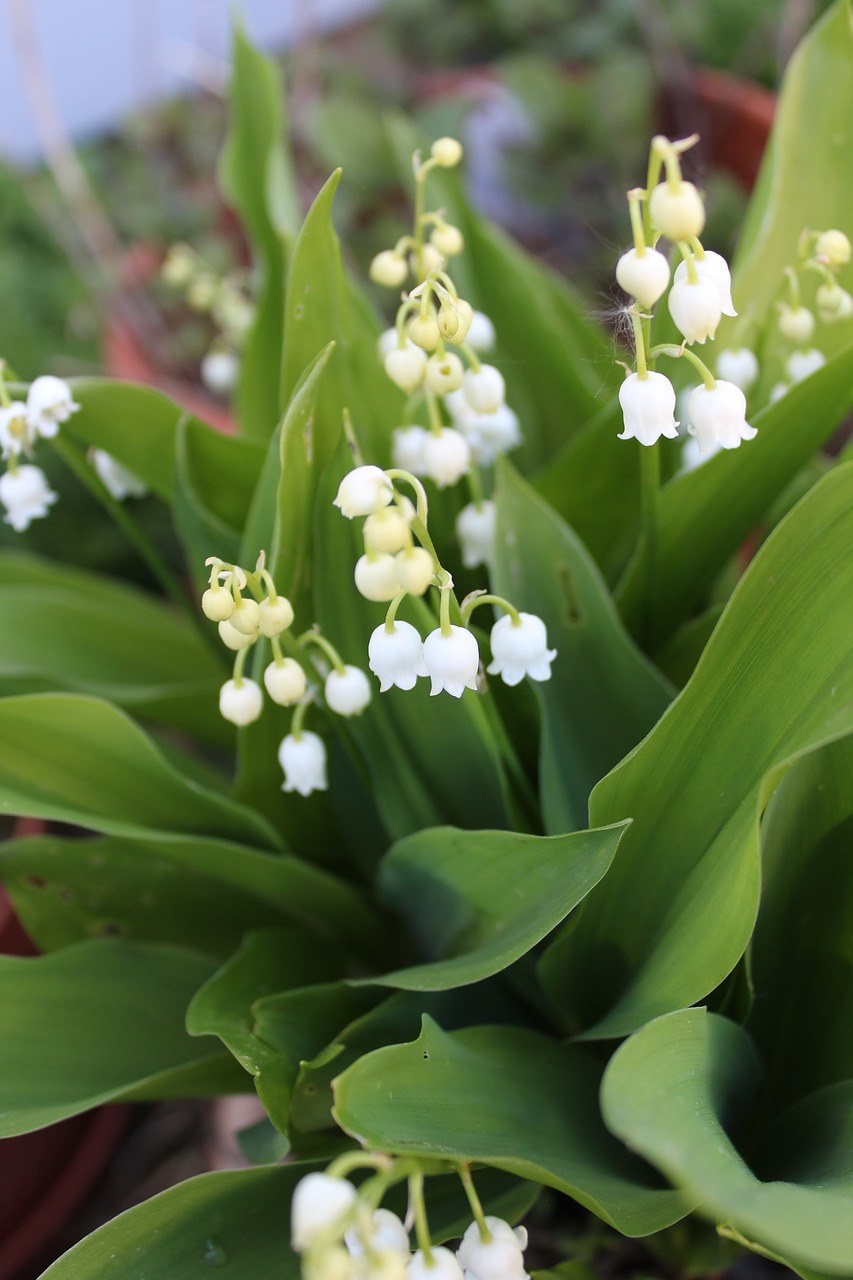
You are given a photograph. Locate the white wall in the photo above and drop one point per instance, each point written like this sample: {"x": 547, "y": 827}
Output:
{"x": 103, "y": 58}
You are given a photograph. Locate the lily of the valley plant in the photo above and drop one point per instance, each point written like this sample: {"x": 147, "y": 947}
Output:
{"x": 472, "y": 775}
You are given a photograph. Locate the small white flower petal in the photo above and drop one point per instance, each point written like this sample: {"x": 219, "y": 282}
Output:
{"x": 302, "y": 757}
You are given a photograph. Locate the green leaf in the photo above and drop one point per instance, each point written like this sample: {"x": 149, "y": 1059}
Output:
{"x": 452, "y": 889}
{"x": 676, "y": 1092}
{"x": 603, "y": 695}
{"x": 204, "y": 893}
{"x": 70, "y": 758}
{"x": 704, "y": 515}
{"x": 216, "y": 478}
{"x": 510, "y": 1098}
{"x": 95, "y": 1022}
{"x": 774, "y": 682}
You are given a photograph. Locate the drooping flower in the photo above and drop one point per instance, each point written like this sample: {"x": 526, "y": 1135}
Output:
{"x": 713, "y": 268}
{"x": 441, "y": 1266}
{"x": 834, "y": 247}
{"x": 481, "y": 332}
{"x": 415, "y": 569}
{"x": 285, "y": 682}
{"x": 802, "y": 364}
{"x": 718, "y": 417}
{"x": 118, "y": 480}
{"x": 241, "y": 701}
{"x": 26, "y": 495}
{"x": 13, "y": 428}
{"x": 302, "y": 757}
{"x": 376, "y": 576}
{"x": 389, "y": 268}
{"x": 475, "y": 529}
{"x": 386, "y": 530}
{"x": 396, "y": 657}
{"x": 232, "y": 638}
{"x": 217, "y": 603}
{"x": 405, "y": 366}
{"x": 643, "y": 275}
{"x": 447, "y": 239}
{"x": 520, "y": 649}
{"x": 501, "y": 1257}
{"x": 347, "y": 692}
{"x": 363, "y": 491}
{"x": 677, "y": 210}
{"x": 796, "y": 323}
{"x": 445, "y": 456}
{"x": 320, "y": 1203}
{"x": 274, "y": 616}
{"x": 443, "y": 373}
{"x": 485, "y": 389}
{"x": 385, "y": 1233}
{"x": 696, "y": 308}
{"x": 49, "y": 403}
{"x": 407, "y": 449}
{"x": 833, "y": 303}
{"x": 452, "y": 661}
{"x": 648, "y": 408}
{"x": 738, "y": 365}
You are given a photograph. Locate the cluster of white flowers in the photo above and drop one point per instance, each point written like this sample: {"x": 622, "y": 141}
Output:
{"x": 824, "y": 253}
{"x": 399, "y": 559}
{"x": 700, "y": 295}
{"x": 226, "y": 299}
{"x": 340, "y": 1236}
{"x": 243, "y": 620}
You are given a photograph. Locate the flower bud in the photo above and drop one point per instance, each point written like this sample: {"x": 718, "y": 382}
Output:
{"x": 738, "y": 365}
{"x": 246, "y": 617}
{"x": 447, "y": 239}
{"x": 423, "y": 331}
{"x": 430, "y": 262}
{"x": 446, "y": 456}
{"x": 217, "y": 603}
{"x": 443, "y": 373}
{"x": 389, "y": 268}
{"x": 376, "y": 577}
{"x": 643, "y": 275}
{"x": 449, "y": 321}
{"x": 481, "y": 333}
{"x": 695, "y": 308}
{"x": 347, "y": 692}
{"x": 718, "y": 417}
{"x": 26, "y": 495}
{"x": 796, "y": 323}
{"x": 501, "y": 1257}
{"x": 441, "y": 1266}
{"x": 219, "y": 370}
{"x": 833, "y": 303}
{"x": 475, "y": 529}
{"x": 648, "y": 408}
{"x": 405, "y": 367}
{"x": 232, "y": 638}
{"x": 363, "y": 491}
{"x": 49, "y": 403}
{"x": 407, "y": 448}
{"x": 447, "y": 152}
{"x": 834, "y": 247}
{"x": 285, "y": 682}
{"x": 396, "y": 657}
{"x": 802, "y": 364}
{"x": 241, "y": 701}
{"x": 274, "y": 616}
{"x": 677, "y": 211}
{"x": 520, "y": 649}
{"x": 302, "y": 757}
{"x": 415, "y": 570}
{"x": 320, "y": 1203}
{"x": 485, "y": 388}
{"x": 452, "y": 661}
{"x": 713, "y": 268}
{"x": 387, "y": 530}
{"x": 386, "y": 1233}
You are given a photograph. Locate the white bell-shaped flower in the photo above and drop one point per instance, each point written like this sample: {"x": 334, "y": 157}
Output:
{"x": 274, "y": 616}
{"x": 833, "y": 303}
{"x": 302, "y": 757}
{"x": 385, "y": 1233}
{"x": 796, "y": 323}
{"x": 447, "y": 239}
{"x": 485, "y": 389}
{"x": 648, "y": 408}
{"x": 118, "y": 480}
{"x": 718, "y": 417}
{"x": 415, "y": 570}
{"x": 475, "y": 529}
{"x": 423, "y": 331}
{"x": 386, "y": 530}
{"x": 387, "y": 341}
{"x": 396, "y": 656}
{"x": 501, "y": 1257}
{"x": 802, "y": 364}
{"x": 441, "y": 1266}
{"x": 777, "y": 391}
{"x": 217, "y": 603}
{"x": 219, "y": 370}
{"x": 49, "y": 403}
{"x": 363, "y": 491}
{"x": 696, "y": 308}
{"x": 347, "y": 692}
{"x": 406, "y": 366}
{"x": 234, "y": 639}
{"x": 26, "y": 495}
{"x": 520, "y": 649}
{"x": 491, "y": 434}
{"x": 320, "y": 1204}
{"x": 376, "y": 576}
{"x": 445, "y": 457}
{"x": 241, "y": 701}
{"x": 389, "y": 268}
{"x": 285, "y": 682}
{"x": 452, "y": 661}
{"x": 481, "y": 332}
{"x": 713, "y": 268}
{"x": 443, "y": 373}
{"x": 246, "y": 617}
{"x": 738, "y": 365}
{"x": 834, "y": 247}
{"x": 644, "y": 276}
{"x": 407, "y": 448}
{"x": 677, "y": 210}
{"x": 14, "y": 431}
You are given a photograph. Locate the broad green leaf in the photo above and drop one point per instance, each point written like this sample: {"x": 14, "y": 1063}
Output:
{"x": 429, "y": 760}
{"x": 676, "y": 912}
{"x": 704, "y": 515}
{"x": 476, "y": 901}
{"x": 603, "y": 695}
{"x": 204, "y": 893}
{"x": 70, "y": 758}
{"x": 239, "y": 1221}
{"x": 677, "y": 1091}
{"x": 98, "y": 1021}
{"x": 510, "y": 1098}
{"x": 122, "y": 645}
{"x": 257, "y": 179}
{"x": 801, "y": 953}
